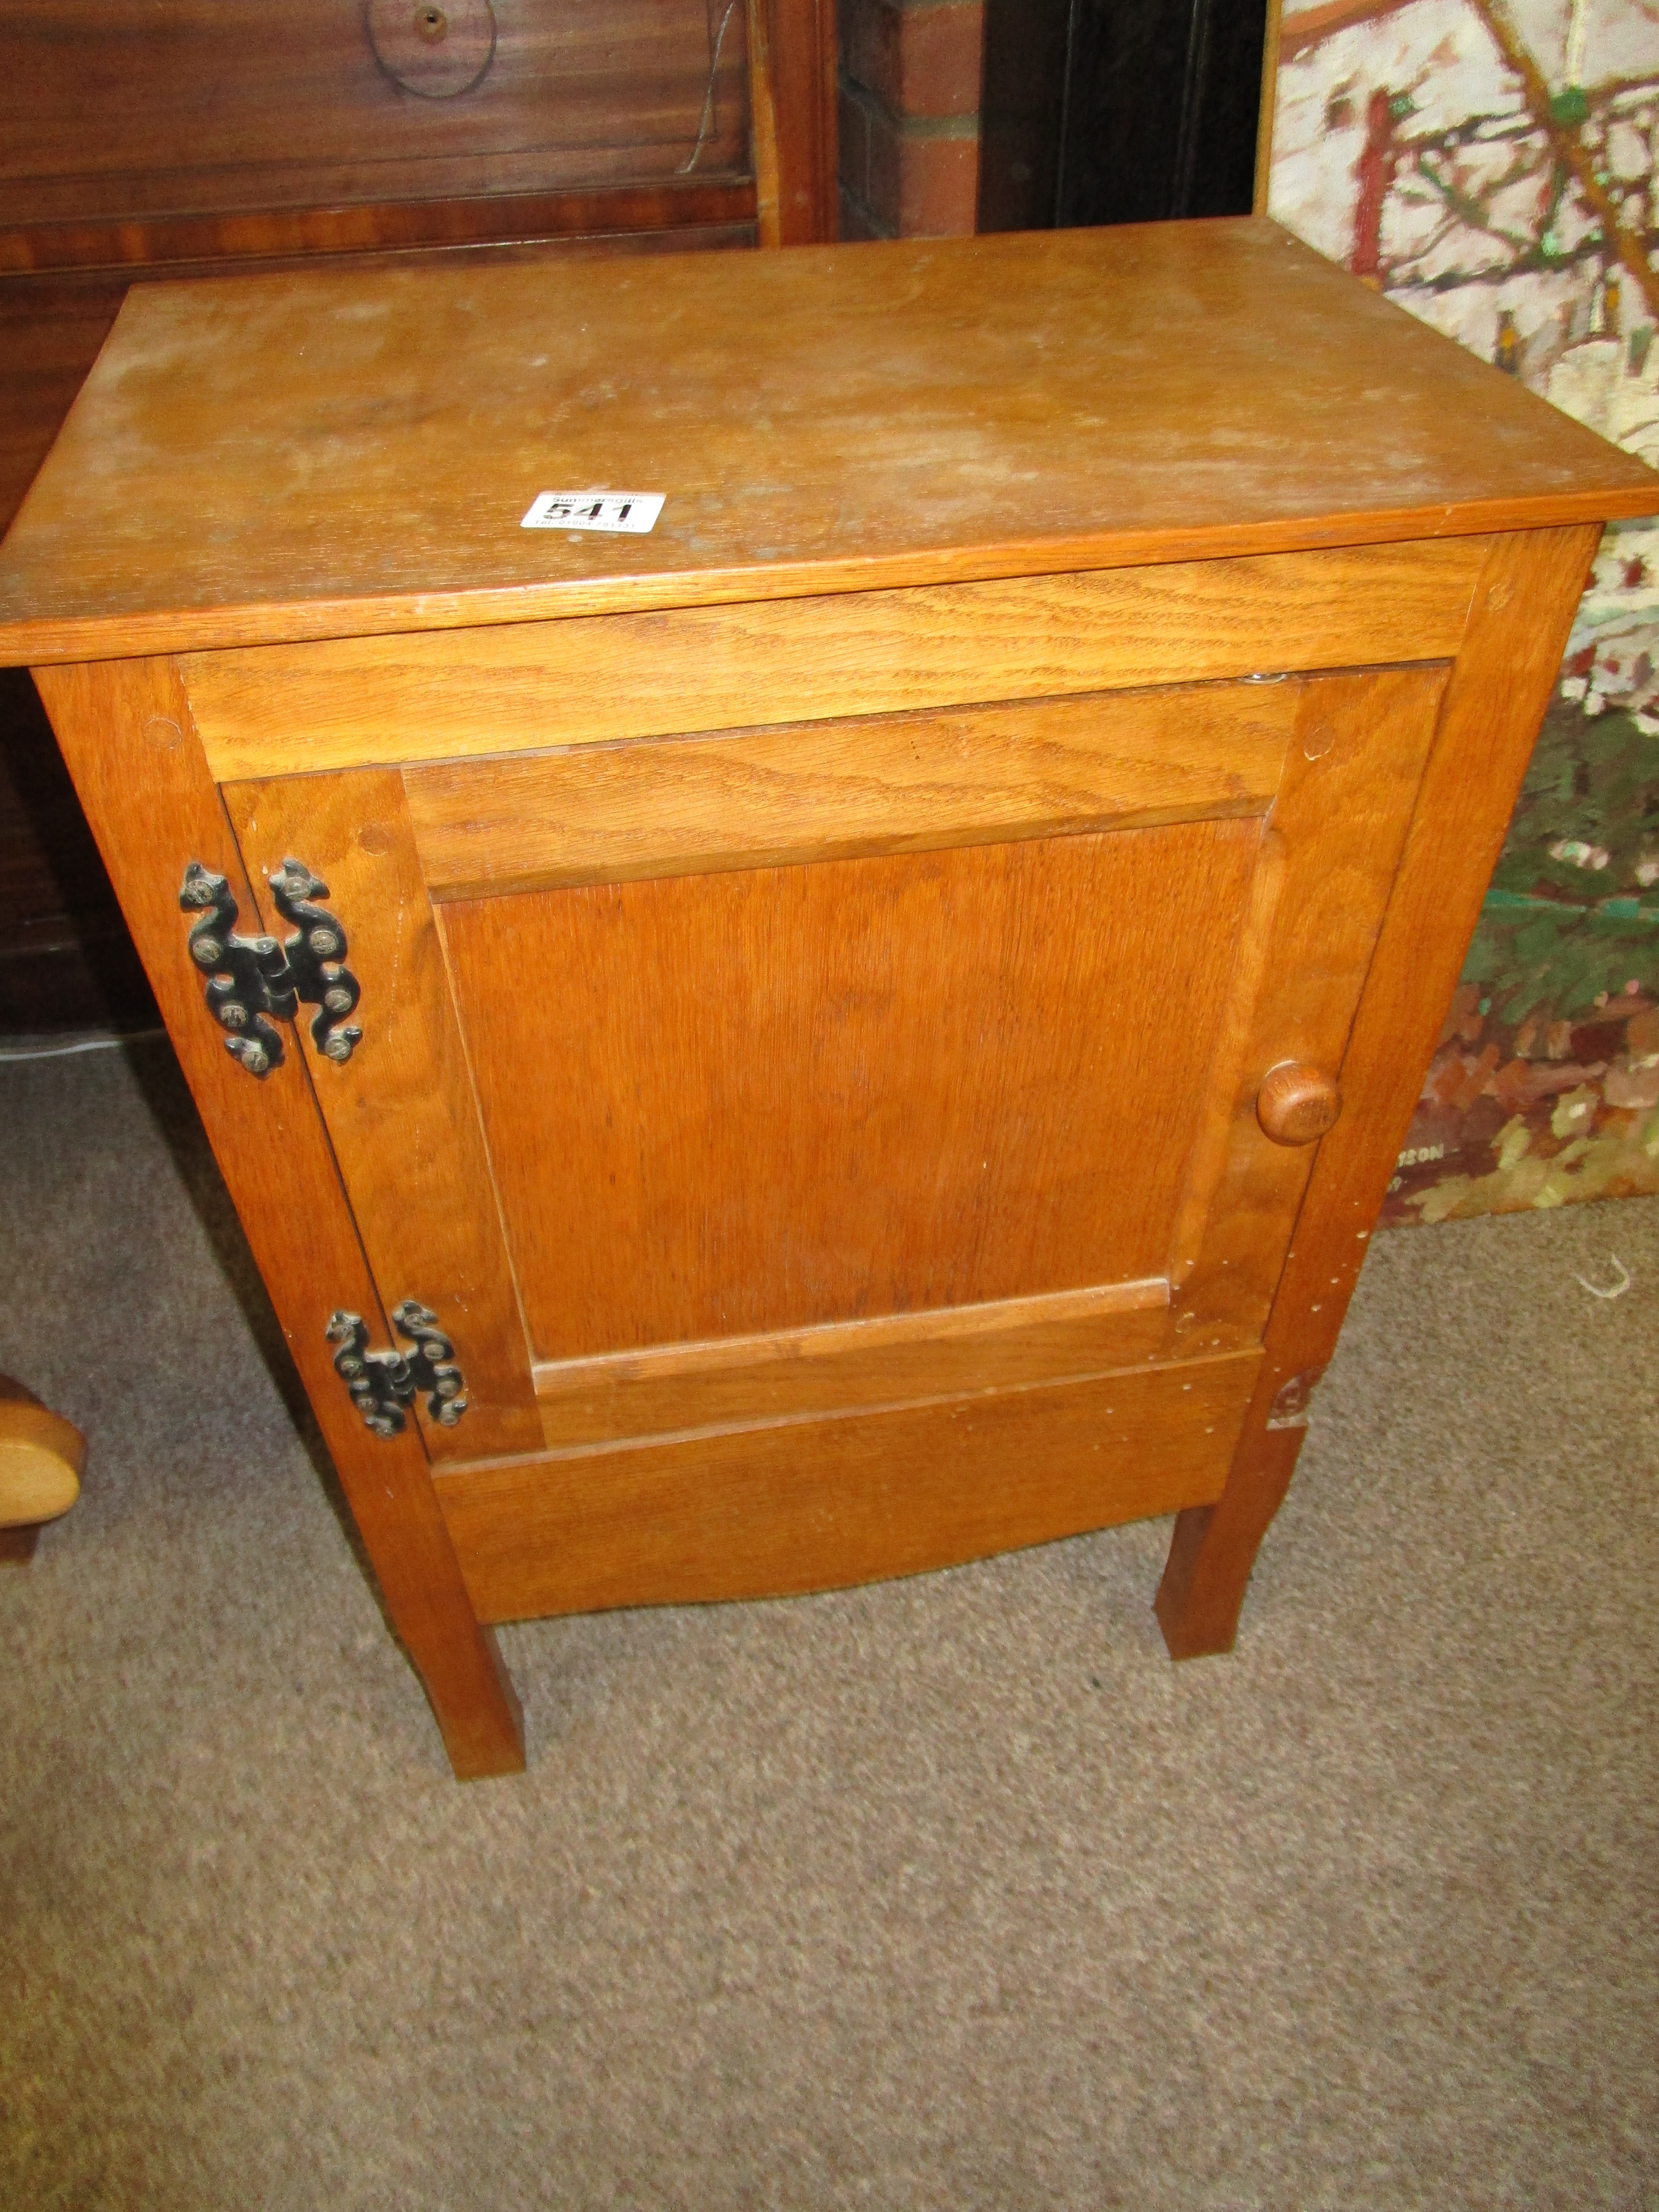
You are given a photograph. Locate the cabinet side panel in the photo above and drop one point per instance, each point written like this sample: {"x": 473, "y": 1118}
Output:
{"x": 125, "y": 730}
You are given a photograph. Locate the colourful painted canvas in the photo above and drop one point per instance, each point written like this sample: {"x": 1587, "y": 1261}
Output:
{"x": 1491, "y": 168}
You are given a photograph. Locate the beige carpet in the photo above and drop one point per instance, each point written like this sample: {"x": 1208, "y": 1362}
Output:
{"x": 949, "y": 1894}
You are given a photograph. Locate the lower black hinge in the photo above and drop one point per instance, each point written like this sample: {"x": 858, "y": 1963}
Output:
{"x": 382, "y": 1383}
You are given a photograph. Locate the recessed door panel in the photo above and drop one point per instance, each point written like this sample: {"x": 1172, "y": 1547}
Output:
{"x": 731, "y": 1104}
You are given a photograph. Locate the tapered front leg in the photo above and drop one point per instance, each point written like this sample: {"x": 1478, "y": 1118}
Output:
{"x": 1214, "y": 1546}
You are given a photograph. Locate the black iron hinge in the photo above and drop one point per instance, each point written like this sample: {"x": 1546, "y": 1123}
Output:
{"x": 252, "y": 980}
{"x": 383, "y": 1383}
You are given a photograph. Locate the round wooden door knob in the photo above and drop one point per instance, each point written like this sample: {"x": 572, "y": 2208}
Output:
{"x": 42, "y": 1459}
{"x": 1297, "y": 1104}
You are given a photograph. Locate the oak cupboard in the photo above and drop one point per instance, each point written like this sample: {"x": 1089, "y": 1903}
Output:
{"x": 866, "y": 1023}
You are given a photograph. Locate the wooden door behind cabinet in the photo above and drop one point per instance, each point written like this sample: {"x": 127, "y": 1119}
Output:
{"x": 209, "y": 110}
{"x": 196, "y": 130}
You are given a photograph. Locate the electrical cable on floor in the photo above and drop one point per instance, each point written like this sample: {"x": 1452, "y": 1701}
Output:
{"x": 84, "y": 1044}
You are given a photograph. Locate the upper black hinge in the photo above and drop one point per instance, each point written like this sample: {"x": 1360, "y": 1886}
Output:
{"x": 253, "y": 979}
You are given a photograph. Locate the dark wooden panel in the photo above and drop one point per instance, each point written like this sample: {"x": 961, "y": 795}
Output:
{"x": 859, "y": 1087}
{"x": 201, "y": 107}
{"x": 802, "y": 46}
{"x": 1118, "y": 111}
{"x": 50, "y": 334}
{"x": 66, "y": 962}
{"x": 373, "y": 233}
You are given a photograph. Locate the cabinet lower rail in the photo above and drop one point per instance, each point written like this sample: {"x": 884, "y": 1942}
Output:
{"x": 773, "y": 1509}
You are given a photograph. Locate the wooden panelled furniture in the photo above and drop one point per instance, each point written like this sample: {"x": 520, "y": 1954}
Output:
{"x": 201, "y": 137}
{"x": 867, "y": 1024}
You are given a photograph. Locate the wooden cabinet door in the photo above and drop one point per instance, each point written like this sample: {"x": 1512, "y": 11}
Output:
{"x": 844, "y": 1095}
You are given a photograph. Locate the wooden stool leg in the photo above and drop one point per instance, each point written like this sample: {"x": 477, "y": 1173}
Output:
{"x": 42, "y": 1459}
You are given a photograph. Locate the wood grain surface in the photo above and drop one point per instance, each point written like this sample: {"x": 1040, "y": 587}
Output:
{"x": 808, "y": 1506}
{"x": 598, "y": 679}
{"x": 762, "y": 125}
{"x": 801, "y": 45}
{"x": 508, "y": 229}
{"x": 818, "y": 420}
{"x": 112, "y": 113}
{"x": 942, "y": 1353}
{"x": 764, "y": 1136}
{"x": 1332, "y": 845}
{"x": 727, "y": 1104}
{"x": 400, "y": 1112}
{"x": 373, "y": 236}
{"x": 1488, "y": 720}
{"x": 125, "y": 730}
{"x": 835, "y": 790}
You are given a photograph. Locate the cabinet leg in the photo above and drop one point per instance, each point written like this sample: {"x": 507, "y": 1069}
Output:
{"x": 480, "y": 1718}
{"x": 388, "y": 1487}
{"x": 17, "y": 1545}
{"x": 1214, "y": 1546}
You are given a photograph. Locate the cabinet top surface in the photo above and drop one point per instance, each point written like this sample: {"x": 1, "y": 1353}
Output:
{"x": 332, "y": 454}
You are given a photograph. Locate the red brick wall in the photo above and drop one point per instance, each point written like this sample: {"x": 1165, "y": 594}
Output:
{"x": 909, "y": 117}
